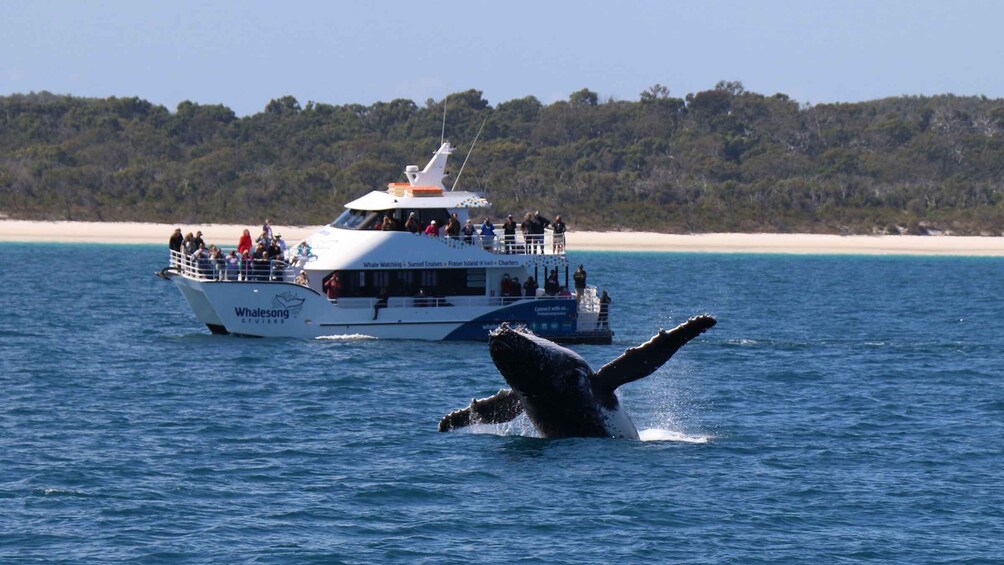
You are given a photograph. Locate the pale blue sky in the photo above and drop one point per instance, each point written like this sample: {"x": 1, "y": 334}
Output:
{"x": 242, "y": 54}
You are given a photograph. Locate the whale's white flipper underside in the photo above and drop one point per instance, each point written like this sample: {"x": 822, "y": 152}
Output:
{"x": 498, "y": 408}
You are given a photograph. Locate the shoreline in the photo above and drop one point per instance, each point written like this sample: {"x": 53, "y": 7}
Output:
{"x": 226, "y": 235}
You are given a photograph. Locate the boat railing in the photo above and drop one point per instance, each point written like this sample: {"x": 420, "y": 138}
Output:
{"x": 548, "y": 243}
{"x": 590, "y": 301}
{"x": 217, "y": 268}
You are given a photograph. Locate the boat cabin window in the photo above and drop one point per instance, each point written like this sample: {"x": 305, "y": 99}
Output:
{"x": 372, "y": 219}
{"x": 407, "y": 282}
{"x": 426, "y": 215}
{"x": 423, "y": 215}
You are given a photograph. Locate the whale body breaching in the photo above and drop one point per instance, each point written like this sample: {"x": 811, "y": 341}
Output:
{"x": 557, "y": 389}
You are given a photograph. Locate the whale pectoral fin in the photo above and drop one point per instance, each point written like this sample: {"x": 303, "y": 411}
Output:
{"x": 496, "y": 409}
{"x": 455, "y": 419}
{"x": 642, "y": 361}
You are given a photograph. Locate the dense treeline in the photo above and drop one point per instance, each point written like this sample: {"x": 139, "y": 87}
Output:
{"x": 718, "y": 160}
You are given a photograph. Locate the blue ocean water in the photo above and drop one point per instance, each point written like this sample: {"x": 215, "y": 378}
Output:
{"x": 845, "y": 409}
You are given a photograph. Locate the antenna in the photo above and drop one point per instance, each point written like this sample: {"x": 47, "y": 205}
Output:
{"x": 442, "y": 135}
{"x": 468, "y": 154}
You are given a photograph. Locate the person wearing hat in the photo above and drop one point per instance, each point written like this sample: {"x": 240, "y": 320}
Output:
{"x": 198, "y": 242}
{"x": 432, "y": 229}
{"x": 411, "y": 224}
{"x": 469, "y": 231}
{"x": 509, "y": 233}
{"x": 281, "y": 243}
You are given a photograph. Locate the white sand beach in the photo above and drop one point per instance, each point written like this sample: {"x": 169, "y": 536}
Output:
{"x": 227, "y": 236}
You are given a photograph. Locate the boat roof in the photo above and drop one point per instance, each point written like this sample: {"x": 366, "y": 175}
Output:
{"x": 384, "y": 200}
{"x": 424, "y": 189}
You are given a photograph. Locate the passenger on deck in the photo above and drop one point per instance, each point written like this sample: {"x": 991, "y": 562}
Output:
{"x": 381, "y": 302}
{"x": 259, "y": 263}
{"x": 281, "y": 244}
{"x": 551, "y": 283}
{"x": 537, "y": 225}
{"x": 517, "y": 288}
{"x": 412, "y": 224}
{"x": 245, "y": 243}
{"x": 198, "y": 241}
{"x": 186, "y": 246}
{"x": 233, "y": 265}
{"x": 469, "y": 232}
{"x": 272, "y": 249}
{"x": 266, "y": 231}
{"x": 174, "y": 244}
{"x": 509, "y": 233}
{"x": 332, "y": 287}
{"x": 303, "y": 253}
{"x": 246, "y": 266}
{"x": 601, "y": 321}
{"x": 200, "y": 258}
{"x": 277, "y": 266}
{"x": 207, "y": 263}
{"x": 421, "y": 300}
{"x": 558, "y": 242}
{"x": 530, "y": 287}
{"x": 431, "y": 229}
{"x": 526, "y": 229}
{"x": 505, "y": 289}
{"x": 387, "y": 224}
{"x": 487, "y": 234}
{"x": 453, "y": 227}
{"x": 580, "y": 282}
{"x": 302, "y": 279}
{"x": 216, "y": 259}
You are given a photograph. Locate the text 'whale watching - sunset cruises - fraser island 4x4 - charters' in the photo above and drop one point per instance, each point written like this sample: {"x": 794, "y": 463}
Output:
{"x": 386, "y": 269}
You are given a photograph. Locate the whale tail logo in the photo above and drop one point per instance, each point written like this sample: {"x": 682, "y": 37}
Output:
{"x": 288, "y": 301}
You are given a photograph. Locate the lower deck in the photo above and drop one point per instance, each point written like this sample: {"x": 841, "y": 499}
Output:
{"x": 284, "y": 309}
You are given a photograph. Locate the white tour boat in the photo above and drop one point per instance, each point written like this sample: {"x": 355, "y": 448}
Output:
{"x": 395, "y": 284}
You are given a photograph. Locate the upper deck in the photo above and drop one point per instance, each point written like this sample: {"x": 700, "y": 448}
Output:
{"x": 546, "y": 249}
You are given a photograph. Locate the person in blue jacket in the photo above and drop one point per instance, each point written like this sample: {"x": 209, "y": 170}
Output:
{"x": 487, "y": 234}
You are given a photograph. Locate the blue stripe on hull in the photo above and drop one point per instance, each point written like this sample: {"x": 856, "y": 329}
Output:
{"x": 550, "y": 317}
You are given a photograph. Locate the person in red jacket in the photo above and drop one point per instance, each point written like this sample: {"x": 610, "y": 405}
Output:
{"x": 245, "y": 243}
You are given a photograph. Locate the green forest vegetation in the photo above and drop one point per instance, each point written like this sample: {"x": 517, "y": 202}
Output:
{"x": 721, "y": 160}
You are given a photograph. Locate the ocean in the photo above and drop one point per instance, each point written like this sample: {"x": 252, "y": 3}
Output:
{"x": 844, "y": 409}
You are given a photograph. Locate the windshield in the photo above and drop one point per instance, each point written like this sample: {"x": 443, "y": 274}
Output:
{"x": 354, "y": 219}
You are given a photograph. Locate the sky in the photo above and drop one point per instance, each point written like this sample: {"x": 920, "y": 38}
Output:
{"x": 242, "y": 54}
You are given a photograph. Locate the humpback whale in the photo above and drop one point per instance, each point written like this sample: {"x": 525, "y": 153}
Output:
{"x": 557, "y": 389}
